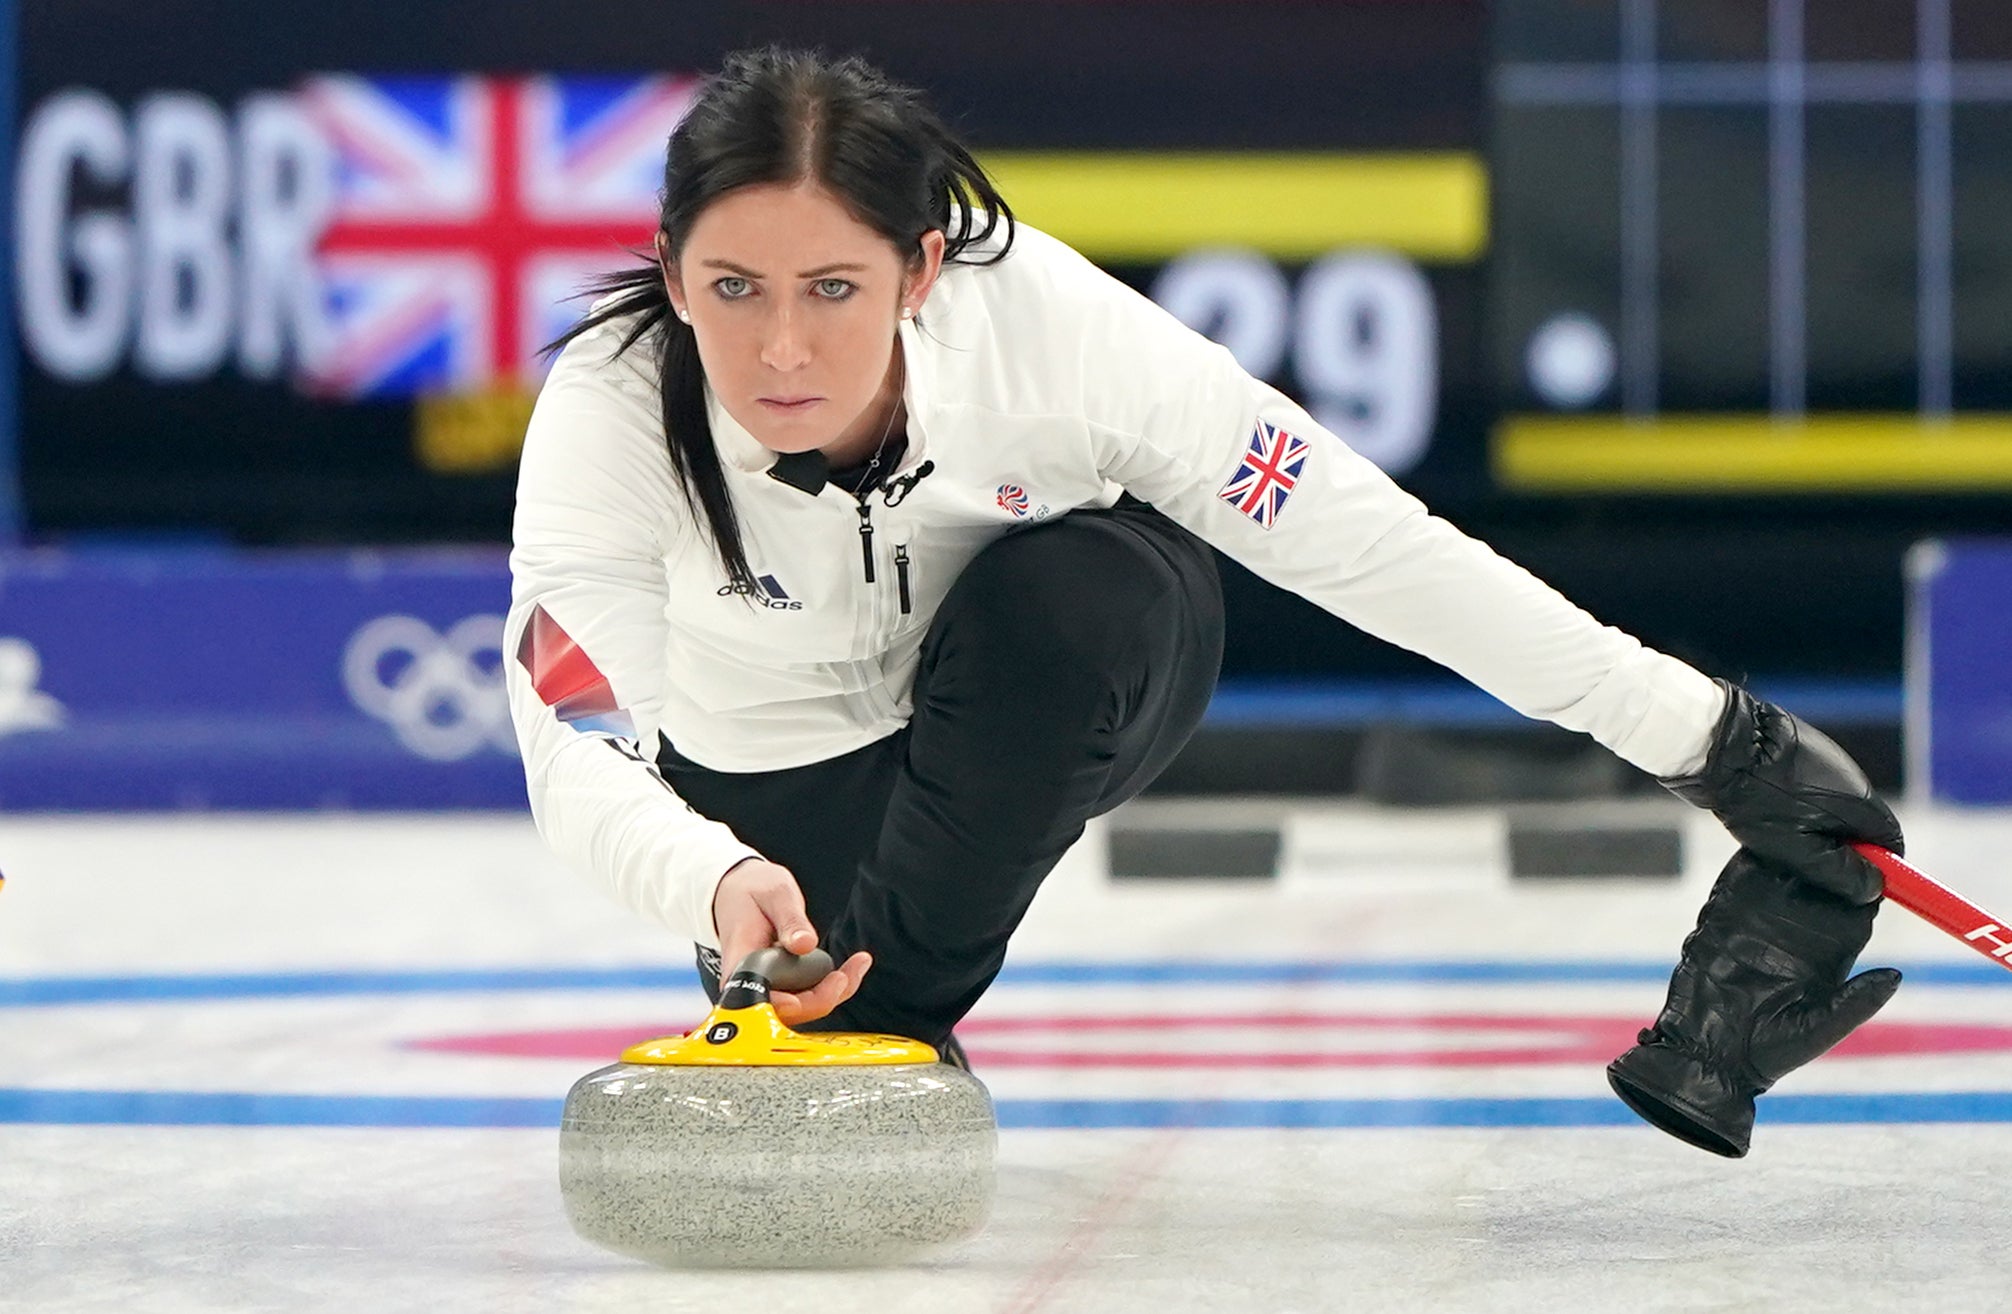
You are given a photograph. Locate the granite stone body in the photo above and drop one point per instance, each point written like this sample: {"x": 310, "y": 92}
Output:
{"x": 777, "y": 1167}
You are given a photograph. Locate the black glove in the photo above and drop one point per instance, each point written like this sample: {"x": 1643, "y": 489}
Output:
{"x": 1759, "y": 991}
{"x": 1790, "y": 794}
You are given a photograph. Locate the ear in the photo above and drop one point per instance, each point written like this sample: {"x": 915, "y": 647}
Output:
{"x": 922, "y": 273}
{"x": 674, "y": 283}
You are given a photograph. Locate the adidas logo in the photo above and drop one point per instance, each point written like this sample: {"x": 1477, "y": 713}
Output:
{"x": 767, "y": 592}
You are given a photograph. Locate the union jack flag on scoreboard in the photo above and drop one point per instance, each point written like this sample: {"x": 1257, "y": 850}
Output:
{"x": 469, "y": 210}
{"x": 1271, "y": 467}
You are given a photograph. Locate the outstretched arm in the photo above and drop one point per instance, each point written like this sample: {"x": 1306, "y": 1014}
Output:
{"x": 1176, "y": 421}
{"x": 1761, "y": 986}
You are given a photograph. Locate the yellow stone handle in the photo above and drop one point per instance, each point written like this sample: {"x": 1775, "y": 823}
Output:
{"x": 753, "y": 1036}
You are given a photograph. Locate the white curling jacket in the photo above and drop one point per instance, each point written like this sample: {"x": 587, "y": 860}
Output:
{"x": 1034, "y": 387}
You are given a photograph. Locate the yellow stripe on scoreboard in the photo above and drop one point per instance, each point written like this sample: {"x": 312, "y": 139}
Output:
{"x": 1147, "y": 206}
{"x": 1841, "y": 453}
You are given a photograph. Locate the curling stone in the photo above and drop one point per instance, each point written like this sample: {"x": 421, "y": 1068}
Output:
{"x": 744, "y": 1144}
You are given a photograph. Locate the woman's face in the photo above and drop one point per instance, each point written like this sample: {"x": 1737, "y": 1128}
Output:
{"x": 795, "y": 305}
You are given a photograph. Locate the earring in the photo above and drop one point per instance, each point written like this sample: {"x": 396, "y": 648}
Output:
{"x": 685, "y": 315}
{"x": 908, "y": 312}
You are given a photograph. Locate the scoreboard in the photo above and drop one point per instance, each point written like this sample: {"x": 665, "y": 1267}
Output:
{"x": 1754, "y": 248}
{"x": 281, "y": 272}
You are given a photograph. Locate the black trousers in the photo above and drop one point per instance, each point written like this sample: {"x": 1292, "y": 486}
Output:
{"x": 1067, "y": 666}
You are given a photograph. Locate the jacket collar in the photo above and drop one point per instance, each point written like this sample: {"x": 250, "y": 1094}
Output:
{"x": 740, "y": 450}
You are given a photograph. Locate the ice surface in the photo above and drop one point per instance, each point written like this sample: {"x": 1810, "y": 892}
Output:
{"x": 440, "y": 982}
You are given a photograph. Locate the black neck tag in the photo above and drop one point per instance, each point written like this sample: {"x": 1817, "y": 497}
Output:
{"x": 807, "y": 472}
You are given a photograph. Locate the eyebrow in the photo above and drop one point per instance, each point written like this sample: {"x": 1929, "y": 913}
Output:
{"x": 819, "y": 272}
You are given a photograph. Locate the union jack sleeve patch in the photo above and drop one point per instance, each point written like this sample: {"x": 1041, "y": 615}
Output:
{"x": 1271, "y": 467}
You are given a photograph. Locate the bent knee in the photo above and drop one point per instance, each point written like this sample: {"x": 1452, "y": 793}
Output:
{"x": 1066, "y": 595}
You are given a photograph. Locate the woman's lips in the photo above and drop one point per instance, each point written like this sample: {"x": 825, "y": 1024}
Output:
{"x": 790, "y": 405}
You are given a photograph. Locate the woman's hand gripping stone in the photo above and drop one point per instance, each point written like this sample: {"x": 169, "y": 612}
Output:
{"x": 758, "y": 904}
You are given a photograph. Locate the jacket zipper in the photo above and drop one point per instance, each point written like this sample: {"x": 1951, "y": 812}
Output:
{"x": 866, "y": 538}
{"x": 901, "y": 558}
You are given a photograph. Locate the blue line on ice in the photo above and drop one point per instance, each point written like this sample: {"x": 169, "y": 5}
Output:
{"x": 251, "y": 1109}
{"x": 111, "y": 989}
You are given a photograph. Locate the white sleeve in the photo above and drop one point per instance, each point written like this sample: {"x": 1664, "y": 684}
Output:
{"x": 585, "y": 645}
{"x": 1174, "y": 419}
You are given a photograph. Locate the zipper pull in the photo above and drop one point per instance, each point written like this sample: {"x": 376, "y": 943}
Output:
{"x": 897, "y": 490}
{"x": 901, "y": 576}
{"x": 866, "y": 538}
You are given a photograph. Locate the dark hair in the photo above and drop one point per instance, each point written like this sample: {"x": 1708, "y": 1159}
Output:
{"x": 784, "y": 116}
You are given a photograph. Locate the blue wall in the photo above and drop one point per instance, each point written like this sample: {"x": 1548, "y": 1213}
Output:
{"x": 226, "y": 680}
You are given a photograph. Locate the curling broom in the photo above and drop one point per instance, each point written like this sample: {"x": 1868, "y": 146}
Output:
{"x": 1941, "y": 906}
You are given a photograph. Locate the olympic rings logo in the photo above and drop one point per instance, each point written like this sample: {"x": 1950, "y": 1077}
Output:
{"x": 442, "y": 694}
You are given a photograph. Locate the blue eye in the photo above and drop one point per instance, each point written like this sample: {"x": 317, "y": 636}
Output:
{"x": 833, "y": 289}
{"x": 732, "y": 287}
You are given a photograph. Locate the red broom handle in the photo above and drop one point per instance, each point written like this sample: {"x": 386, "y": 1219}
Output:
{"x": 1941, "y": 906}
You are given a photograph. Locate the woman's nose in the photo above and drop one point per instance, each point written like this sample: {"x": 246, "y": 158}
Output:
{"x": 784, "y": 346}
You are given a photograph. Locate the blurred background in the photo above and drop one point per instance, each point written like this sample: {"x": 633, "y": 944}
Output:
{"x": 1698, "y": 308}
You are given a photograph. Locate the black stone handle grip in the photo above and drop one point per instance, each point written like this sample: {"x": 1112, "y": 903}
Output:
{"x": 773, "y": 968}
{"x": 784, "y": 970}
